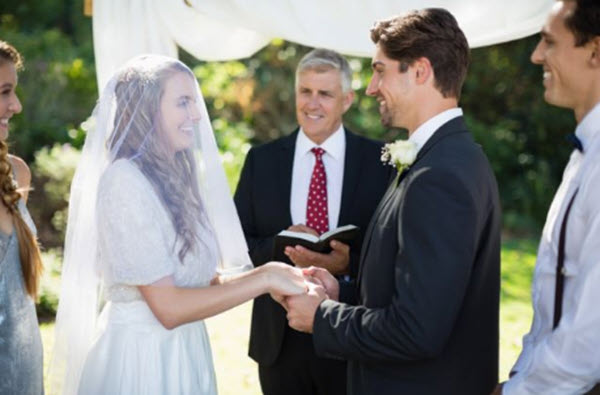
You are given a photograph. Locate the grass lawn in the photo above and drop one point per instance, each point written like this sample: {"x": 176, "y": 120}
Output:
{"x": 237, "y": 374}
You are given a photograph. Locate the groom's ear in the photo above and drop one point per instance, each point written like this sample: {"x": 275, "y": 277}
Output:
{"x": 595, "y": 52}
{"x": 423, "y": 70}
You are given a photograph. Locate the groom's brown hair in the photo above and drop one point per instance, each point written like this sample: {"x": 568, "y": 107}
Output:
{"x": 432, "y": 33}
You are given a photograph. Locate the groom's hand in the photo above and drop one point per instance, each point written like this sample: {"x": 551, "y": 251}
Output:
{"x": 336, "y": 262}
{"x": 301, "y": 308}
{"x": 498, "y": 389}
{"x": 324, "y": 278}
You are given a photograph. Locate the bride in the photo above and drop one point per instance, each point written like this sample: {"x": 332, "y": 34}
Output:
{"x": 151, "y": 223}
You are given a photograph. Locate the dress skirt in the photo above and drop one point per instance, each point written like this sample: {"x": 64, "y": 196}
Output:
{"x": 135, "y": 354}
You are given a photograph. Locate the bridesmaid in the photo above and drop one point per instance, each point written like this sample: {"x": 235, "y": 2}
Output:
{"x": 20, "y": 260}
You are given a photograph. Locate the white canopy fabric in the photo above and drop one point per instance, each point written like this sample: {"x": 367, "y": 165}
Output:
{"x": 231, "y": 29}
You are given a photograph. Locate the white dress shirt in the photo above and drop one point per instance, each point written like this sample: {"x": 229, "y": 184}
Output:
{"x": 428, "y": 128}
{"x": 567, "y": 360}
{"x": 304, "y": 161}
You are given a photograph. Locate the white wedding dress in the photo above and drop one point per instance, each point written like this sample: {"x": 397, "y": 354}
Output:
{"x": 132, "y": 352}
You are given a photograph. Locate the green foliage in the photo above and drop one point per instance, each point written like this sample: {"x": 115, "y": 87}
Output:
{"x": 522, "y": 135}
{"x": 502, "y": 99}
{"x": 233, "y": 143}
{"x": 50, "y": 283}
{"x": 252, "y": 100}
{"x": 58, "y": 85}
{"x": 518, "y": 260}
{"x": 52, "y": 172}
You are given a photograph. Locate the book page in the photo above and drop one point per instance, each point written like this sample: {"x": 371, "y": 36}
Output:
{"x": 336, "y": 230}
{"x": 299, "y": 235}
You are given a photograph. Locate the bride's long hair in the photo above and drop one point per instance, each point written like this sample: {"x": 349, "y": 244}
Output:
{"x": 122, "y": 126}
{"x": 137, "y": 137}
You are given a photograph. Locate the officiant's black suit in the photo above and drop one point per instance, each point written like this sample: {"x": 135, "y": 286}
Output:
{"x": 263, "y": 203}
{"x": 426, "y": 319}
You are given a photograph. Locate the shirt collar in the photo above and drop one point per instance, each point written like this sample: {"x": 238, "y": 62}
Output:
{"x": 424, "y": 132}
{"x": 334, "y": 145}
{"x": 587, "y": 130}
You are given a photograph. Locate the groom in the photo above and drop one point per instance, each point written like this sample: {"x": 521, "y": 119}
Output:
{"x": 425, "y": 319}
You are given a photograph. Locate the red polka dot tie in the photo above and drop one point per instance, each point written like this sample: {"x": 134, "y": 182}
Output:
{"x": 316, "y": 207}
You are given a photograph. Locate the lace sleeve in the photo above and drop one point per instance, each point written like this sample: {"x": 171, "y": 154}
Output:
{"x": 135, "y": 235}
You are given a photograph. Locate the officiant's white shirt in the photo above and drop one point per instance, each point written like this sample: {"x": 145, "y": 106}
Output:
{"x": 304, "y": 161}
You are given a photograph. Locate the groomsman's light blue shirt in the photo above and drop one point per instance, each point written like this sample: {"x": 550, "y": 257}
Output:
{"x": 566, "y": 360}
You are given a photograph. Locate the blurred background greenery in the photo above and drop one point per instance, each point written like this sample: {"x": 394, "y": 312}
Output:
{"x": 252, "y": 101}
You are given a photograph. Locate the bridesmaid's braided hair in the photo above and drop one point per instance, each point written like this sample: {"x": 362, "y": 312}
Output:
{"x": 29, "y": 252}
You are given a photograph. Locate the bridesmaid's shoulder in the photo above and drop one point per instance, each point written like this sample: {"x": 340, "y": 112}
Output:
{"x": 21, "y": 170}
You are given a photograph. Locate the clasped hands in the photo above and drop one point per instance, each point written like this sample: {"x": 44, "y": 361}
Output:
{"x": 301, "y": 308}
{"x": 315, "y": 269}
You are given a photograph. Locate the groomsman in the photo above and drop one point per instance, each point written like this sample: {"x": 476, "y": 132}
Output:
{"x": 560, "y": 352}
{"x": 278, "y": 190}
{"x": 425, "y": 320}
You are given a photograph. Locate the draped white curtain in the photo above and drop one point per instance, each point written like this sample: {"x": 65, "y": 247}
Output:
{"x": 230, "y": 29}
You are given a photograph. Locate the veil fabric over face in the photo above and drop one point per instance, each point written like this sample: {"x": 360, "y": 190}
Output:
{"x": 152, "y": 114}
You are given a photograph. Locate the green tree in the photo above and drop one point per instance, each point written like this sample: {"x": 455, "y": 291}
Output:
{"x": 522, "y": 135}
{"x": 58, "y": 86}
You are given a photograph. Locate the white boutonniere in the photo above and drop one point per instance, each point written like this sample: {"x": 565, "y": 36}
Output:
{"x": 400, "y": 154}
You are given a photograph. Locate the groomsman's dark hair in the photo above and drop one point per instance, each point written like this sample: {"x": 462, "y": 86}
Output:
{"x": 432, "y": 33}
{"x": 584, "y": 22}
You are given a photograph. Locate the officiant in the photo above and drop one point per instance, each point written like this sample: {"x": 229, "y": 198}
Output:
{"x": 315, "y": 179}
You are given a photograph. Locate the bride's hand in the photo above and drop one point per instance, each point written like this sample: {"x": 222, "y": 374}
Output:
{"x": 322, "y": 277}
{"x": 283, "y": 280}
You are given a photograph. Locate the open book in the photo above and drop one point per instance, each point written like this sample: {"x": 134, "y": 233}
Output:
{"x": 344, "y": 234}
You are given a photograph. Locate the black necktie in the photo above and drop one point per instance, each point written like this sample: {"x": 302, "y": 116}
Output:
{"x": 573, "y": 139}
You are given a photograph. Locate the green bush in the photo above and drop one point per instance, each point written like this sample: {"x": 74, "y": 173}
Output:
{"x": 58, "y": 85}
{"x": 252, "y": 101}
{"x": 50, "y": 283}
{"x": 52, "y": 172}
{"x": 521, "y": 134}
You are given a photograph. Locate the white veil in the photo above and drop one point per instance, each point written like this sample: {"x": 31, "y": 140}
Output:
{"x": 137, "y": 87}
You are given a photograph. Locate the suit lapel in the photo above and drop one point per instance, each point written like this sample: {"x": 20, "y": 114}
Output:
{"x": 352, "y": 161}
{"x": 368, "y": 234}
{"x": 286, "y": 164}
{"x": 454, "y": 126}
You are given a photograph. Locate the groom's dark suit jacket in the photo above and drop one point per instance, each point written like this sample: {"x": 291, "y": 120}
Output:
{"x": 426, "y": 318}
{"x": 263, "y": 203}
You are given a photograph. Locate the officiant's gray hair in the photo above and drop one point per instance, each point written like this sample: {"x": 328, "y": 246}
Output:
{"x": 322, "y": 60}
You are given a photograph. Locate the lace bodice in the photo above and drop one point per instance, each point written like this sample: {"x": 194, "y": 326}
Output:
{"x": 137, "y": 241}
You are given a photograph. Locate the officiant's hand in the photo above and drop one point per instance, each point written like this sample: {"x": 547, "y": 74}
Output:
{"x": 303, "y": 229}
{"x": 336, "y": 262}
{"x": 325, "y": 279}
{"x": 301, "y": 308}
